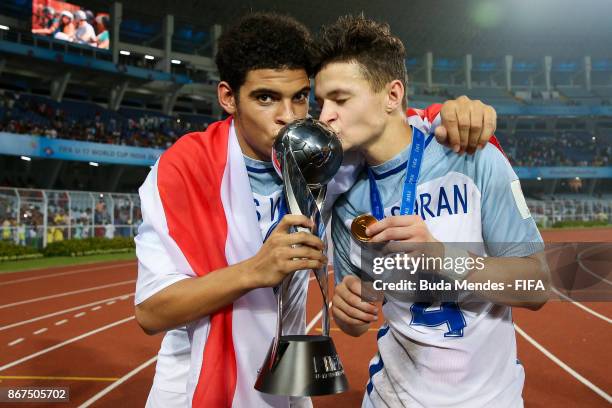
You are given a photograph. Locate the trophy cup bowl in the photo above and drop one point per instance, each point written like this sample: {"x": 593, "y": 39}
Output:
{"x": 306, "y": 154}
{"x": 315, "y": 147}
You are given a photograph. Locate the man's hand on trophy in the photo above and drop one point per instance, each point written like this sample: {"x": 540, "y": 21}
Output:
{"x": 352, "y": 315}
{"x": 466, "y": 124}
{"x": 285, "y": 252}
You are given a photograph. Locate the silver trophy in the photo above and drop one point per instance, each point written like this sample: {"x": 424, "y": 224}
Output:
{"x": 307, "y": 154}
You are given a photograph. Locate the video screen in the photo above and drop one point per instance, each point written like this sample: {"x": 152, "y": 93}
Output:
{"x": 69, "y": 22}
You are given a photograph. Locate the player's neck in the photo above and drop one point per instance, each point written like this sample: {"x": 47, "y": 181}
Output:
{"x": 396, "y": 136}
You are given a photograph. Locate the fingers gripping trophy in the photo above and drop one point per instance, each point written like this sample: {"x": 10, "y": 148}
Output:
{"x": 307, "y": 154}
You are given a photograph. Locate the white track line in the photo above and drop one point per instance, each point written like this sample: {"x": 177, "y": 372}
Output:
{"x": 132, "y": 373}
{"x": 564, "y": 366}
{"x": 117, "y": 383}
{"x": 64, "y": 343}
{"x": 72, "y": 309}
{"x": 316, "y": 319}
{"x": 96, "y": 308}
{"x": 583, "y": 307}
{"x": 579, "y": 259}
{"x": 12, "y": 343}
{"x": 604, "y": 246}
{"x": 80, "y": 314}
{"x": 74, "y": 292}
{"x": 61, "y": 322}
{"x": 64, "y": 273}
{"x": 44, "y": 329}
{"x": 318, "y": 315}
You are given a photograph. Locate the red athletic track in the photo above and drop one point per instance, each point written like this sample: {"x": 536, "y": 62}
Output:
{"x": 577, "y": 338}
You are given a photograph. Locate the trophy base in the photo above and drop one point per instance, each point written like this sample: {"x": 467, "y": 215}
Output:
{"x": 303, "y": 366}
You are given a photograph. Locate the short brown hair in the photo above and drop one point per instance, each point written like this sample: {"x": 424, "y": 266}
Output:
{"x": 380, "y": 54}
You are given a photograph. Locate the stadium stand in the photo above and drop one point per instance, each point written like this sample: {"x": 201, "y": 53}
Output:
{"x": 37, "y": 217}
{"x": 39, "y": 115}
{"x": 153, "y": 85}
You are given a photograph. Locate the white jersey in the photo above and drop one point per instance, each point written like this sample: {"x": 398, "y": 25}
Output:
{"x": 445, "y": 354}
{"x": 84, "y": 34}
{"x": 173, "y": 363}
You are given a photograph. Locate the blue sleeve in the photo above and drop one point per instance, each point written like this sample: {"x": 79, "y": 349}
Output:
{"x": 507, "y": 226}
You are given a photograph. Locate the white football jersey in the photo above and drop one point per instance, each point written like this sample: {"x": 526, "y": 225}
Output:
{"x": 173, "y": 360}
{"x": 450, "y": 354}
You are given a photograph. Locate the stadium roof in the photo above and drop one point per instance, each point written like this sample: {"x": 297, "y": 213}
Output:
{"x": 487, "y": 28}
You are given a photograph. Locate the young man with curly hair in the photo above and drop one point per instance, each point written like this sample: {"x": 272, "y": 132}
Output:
{"x": 215, "y": 240}
{"x": 431, "y": 354}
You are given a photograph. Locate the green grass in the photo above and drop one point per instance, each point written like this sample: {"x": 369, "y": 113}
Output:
{"x": 41, "y": 263}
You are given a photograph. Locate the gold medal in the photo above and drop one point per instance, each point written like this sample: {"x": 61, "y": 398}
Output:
{"x": 359, "y": 225}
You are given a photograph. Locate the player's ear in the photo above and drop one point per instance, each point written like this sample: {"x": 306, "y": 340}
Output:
{"x": 227, "y": 97}
{"x": 395, "y": 95}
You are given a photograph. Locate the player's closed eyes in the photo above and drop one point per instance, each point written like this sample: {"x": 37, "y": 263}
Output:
{"x": 338, "y": 102}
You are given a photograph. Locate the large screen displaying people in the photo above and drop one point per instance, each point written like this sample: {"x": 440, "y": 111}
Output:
{"x": 69, "y": 22}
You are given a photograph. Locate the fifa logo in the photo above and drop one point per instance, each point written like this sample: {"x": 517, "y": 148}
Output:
{"x": 327, "y": 366}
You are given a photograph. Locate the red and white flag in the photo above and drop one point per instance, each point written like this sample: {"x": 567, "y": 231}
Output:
{"x": 199, "y": 203}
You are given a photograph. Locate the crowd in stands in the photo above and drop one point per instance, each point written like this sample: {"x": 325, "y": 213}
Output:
{"x": 533, "y": 149}
{"x": 37, "y": 115}
{"x": 551, "y": 210}
{"x": 62, "y": 223}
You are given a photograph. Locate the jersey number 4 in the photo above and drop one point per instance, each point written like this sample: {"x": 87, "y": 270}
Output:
{"x": 447, "y": 313}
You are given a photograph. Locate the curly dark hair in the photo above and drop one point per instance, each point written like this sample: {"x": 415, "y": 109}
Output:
{"x": 380, "y": 54}
{"x": 263, "y": 41}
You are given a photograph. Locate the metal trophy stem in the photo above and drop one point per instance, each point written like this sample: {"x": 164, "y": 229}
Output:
{"x": 302, "y": 365}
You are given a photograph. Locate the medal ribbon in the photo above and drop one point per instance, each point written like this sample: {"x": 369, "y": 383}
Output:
{"x": 413, "y": 168}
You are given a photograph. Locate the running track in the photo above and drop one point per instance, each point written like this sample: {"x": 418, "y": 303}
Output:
{"x": 74, "y": 327}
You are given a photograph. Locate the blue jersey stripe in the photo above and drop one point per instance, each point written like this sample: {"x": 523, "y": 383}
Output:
{"x": 401, "y": 166}
{"x": 391, "y": 172}
{"x": 375, "y": 368}
{"x": 263, "y": 170}
{"x": 382, "y": 331}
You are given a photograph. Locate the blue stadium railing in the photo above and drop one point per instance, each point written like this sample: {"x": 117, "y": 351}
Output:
{"x": 44, "y": 48}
